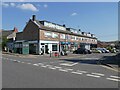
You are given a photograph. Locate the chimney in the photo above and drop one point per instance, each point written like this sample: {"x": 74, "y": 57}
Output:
{"x": 33, "y": 17}
{"x": 63, "y": 25}
{"x": 79, "y": 29}
{"x": 15, "y": 29}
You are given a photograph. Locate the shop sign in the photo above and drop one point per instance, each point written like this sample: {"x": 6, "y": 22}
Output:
{"x": 54, "y": 35}
{"x": 55, "y": 26}
{"x": 62, "y": 36}
{"x": 18, "y": 45}
{"x": 48, "y": 34}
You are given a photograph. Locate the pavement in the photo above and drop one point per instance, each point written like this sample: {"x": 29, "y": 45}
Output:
{"x": 82, "y": 71}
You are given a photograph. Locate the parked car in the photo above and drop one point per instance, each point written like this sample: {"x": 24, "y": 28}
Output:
{"x": 82, "y": 51}
{"x": 94, "y": 50}
{"x": 103, "y": 50}
{"x": 106, "y": 51}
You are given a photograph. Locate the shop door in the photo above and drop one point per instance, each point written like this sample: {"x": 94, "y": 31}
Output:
{"x": 46, "y": 49}
{"x": 43, "y": 49}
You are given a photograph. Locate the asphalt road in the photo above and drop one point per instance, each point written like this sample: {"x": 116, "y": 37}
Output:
{"x": 41, "y": 72}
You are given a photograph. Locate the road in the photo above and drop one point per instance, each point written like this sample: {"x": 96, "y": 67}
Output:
{"x": 41, "y": 72}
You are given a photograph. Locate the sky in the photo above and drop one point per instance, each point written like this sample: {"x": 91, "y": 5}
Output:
{"x": 99, "y": 18}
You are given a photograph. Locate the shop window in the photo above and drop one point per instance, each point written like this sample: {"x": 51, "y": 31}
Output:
{"x": 42, "y": 43}
{"x": 54, "y": 47}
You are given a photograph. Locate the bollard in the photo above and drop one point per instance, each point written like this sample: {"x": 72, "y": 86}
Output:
{"x": 50, "y": 53}
{"x": 55, "y": 54}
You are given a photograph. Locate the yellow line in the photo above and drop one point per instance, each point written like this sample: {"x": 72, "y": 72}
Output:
{"x": 71, "y": 57}
{"x": 113, "y": 69}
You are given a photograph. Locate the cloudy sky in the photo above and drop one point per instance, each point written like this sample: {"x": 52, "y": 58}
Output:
{"x": 97, "y": 18}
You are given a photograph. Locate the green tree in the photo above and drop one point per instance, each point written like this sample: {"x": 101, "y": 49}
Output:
{"x": 4, "y": 42}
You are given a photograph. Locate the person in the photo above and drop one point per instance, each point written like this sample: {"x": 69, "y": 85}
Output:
{"x": 42, "y": 49}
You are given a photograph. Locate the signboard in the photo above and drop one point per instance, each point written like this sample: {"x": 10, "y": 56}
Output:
{"x": 62, "y": 36}
{"x": 48, "y": 34}
{"x": 55, "y": 26}
{"x": 54, "y": 35}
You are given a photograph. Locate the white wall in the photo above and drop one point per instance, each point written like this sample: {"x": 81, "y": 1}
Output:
{"x": 49, "y": 45}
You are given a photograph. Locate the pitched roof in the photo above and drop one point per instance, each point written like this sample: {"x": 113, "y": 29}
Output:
{"x": 6, "y": 33}
{"x": 41, "y": 26}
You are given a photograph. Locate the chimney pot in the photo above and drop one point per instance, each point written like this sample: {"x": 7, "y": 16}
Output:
{"x": 63, "y": 25}
{"x": 33, "y": 17}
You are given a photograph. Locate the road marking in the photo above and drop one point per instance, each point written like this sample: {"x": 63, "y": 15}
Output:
{"x": 14, "y": 60}
{"x": 49, "y": 65}
{"x": 89, "y": 58}
{"x": 51, "y": 68}
{"x": 76, "y": 72}
{"x": 63, "y": 70}
{"x": 68, "y": 69}
{"x": 82, "y": 71}
{"x": 57, "y": 67}
{"x": 114, "y": 76}
{"x": 40, "y": 63}
{"x": 93, "y": 75}
{"x": 22, "y": 62}
{"x": 68, "y": 64}
{"x": 35, "y": 64}
{"x": 113, "y": 79}
{"x": 19, "y": 61}
{"x": 43, "y": 66}
{"x": 98, "y": 74}
{"x": 110, "y": 68}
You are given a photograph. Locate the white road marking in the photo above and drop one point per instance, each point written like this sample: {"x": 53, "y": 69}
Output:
{"x": 113, "y": 79}
{"x": 14, "y": 60}
{"x": 89, "y": 58}
{"x": 76, "y": 72}
{"x": 35, "y": 64}
{"x": 93, "y": 75}
{"x": 63, "y": 70}
{"x": 22, "y": 62}
{"x": 51, "y": 68}
{"x": 19, "y": 61}
{"x": 57, "y": 67}
{"x": 82, "y": 71}
{"x": 68, "y": 64}
{"x": 68, "y": 69}
{"x": 98, "y": 74}
{"x": 43, "y": 66}
{"x": 49, "y": 65}
{"x": 114, "y": 76}
{"x": 40, "y": 63}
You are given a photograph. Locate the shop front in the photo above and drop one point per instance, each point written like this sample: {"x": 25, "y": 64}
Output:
{"x": 47, "y": 47}
{"x": 85, "y": 45}
{"x": 21, "y": 47}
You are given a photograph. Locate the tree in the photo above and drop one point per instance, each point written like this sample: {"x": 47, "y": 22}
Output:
{"x": 4, "y": 42}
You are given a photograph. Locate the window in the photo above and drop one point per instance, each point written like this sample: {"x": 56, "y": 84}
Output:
{"x": 54, "y": 47}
